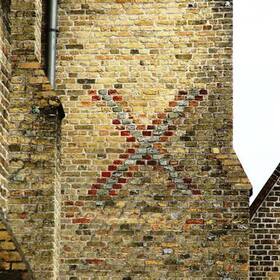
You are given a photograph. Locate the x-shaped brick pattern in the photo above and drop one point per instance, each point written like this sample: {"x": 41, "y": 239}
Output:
{"x": 149, "y": 139}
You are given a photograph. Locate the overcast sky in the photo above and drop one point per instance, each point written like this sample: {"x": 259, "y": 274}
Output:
{"x": 256, "y": 87}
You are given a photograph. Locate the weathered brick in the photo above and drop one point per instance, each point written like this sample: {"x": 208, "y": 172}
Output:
{"x": 149, "y": 186}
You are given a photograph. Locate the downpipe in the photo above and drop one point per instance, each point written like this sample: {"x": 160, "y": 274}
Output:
{"x": 52, "y": 30}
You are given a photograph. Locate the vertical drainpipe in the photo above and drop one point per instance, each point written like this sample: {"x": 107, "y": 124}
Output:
{"x": 52, "y": 41}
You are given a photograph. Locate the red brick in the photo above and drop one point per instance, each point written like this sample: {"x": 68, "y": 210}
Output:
{"x": 187, "y": 180}
{"x": 163, "y": 138}
{"x": 92, "y": 192}
{"x": 112, "y": 91}
{"x": 196, "y": 192}
{"x": 151, "y": 127}
{"x": 122, "y": 180}
{"x": 133, "y": 168}
{"x": 117, "y": 98}
{"x": 112, "y": 167}
{"x": 105, "y": 174}
{"x": 128, "y": 174}
{"x": 79, "y": 203}
{"x": 141, "y": 127}
{"x": 81, "y": 221}
{"x": 95, "y": 261}
{"x": 199, "y": 98}
{"x": 117, "y": 186}
{"x": 195, "y": 221}
{"x": 23, "y": 215}
{"x": 92, "y": 92}
{"x": 168, "y": 133}
{"x": 101, "y": 180}
{"x": 124, "y": 156}
{"x": 117, "y": 161}
{"x": 161, "y": 115}
{"x": 179, "y": 168}
{"x": 116, "y": 121}
{"x": 113, "y": 193}
{"x": 68, "y": 203}
{"x": 147, "y": 157}
{"x": 203, "y": 91}
{"x": 95, "y": 98}
{"x": 156, "y": 121}
{"x": 171, "y": 185}
{"x": 157, "y": 146}
{"x": 69, "y": 215}
{"x": 130, "y": 139}
{"x": 125, "y": 133}
{"x": 147, "y": 133}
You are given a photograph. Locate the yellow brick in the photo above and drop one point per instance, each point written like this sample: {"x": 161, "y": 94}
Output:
{"x": 215, "y": 150}
{"x": 4, "y": 235}
{"x": 7, "y": 245}
{"x": 153, "y": 262}
{"x": 30, "y": 65}
{"x": 5, "y": 265}
{"x": 19, "y": 266}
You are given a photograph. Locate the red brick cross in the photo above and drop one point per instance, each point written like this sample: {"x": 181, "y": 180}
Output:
{"x": 149, "y": 139}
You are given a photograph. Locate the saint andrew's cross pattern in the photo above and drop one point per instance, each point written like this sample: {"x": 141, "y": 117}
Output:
{"x": 149, "y": 139}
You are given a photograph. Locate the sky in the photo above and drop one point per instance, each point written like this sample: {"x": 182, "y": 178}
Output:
{"x": 256, "y": 88}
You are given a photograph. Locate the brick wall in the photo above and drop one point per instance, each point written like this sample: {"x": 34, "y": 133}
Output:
{"x": 12, "y": 263}
{"x": 265, "y": 231}
{"x": 35, "y": 116}
{"x": 151, "y": 188}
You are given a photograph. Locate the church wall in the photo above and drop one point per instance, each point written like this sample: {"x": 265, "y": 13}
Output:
{"x": 141, "y": 181}
{"x": 151, "y": 188}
